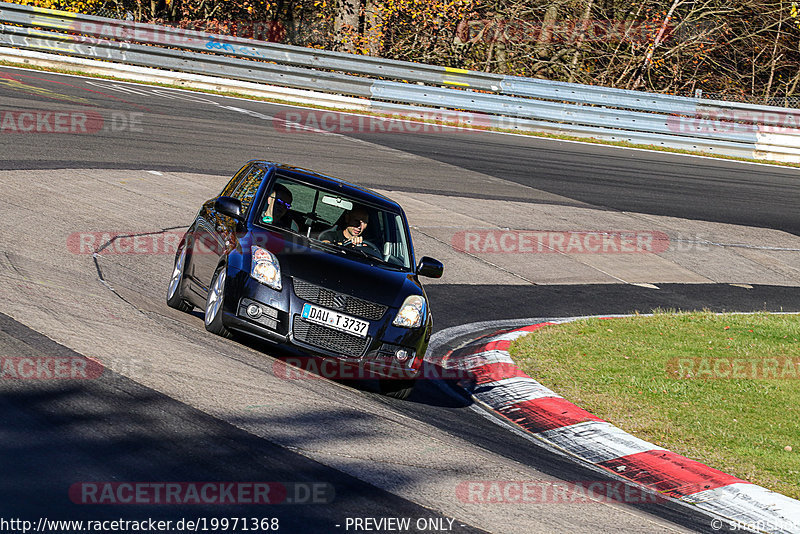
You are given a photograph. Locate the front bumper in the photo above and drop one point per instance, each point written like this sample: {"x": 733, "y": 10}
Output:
{"x": 258, "y": 310}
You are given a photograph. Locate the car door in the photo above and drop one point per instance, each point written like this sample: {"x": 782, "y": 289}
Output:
{"x": 206, "y": 244}
{"x": 221, "y": 231}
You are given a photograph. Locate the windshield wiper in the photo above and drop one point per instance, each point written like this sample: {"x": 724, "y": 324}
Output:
{"x": 357, "y": 249}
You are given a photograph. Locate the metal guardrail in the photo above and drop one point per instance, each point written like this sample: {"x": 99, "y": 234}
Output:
{"x": 792, "y": 102}
{"x": 508, "y": 102}
{"x": 509, "y": 106}
{"x": 185, "y": 61}
{"x": 128, "y": 31}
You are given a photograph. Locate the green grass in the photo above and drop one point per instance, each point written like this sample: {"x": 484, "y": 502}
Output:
{"x": 592, "y": 140}
{"x": 628, "y": 372}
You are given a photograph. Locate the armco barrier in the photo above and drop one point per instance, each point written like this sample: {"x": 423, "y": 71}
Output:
{"x": 121, "y": 30}
{"x": 741, "y": 150}
{"x": 186, "y": 61}
{"x": 508, "y": 102}
{"x": 556, "y": 112}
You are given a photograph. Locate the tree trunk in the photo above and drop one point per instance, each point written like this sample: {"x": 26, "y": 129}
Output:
{"x": 373, "y": 28}
{"x": 774, "y": 52}
{"x": 345, "y": 25}
{"x": 579, "y": 43}
{"x": 499, "y": 40}
{"x": 649, "y": 58}
{"x": 545, "y": 36}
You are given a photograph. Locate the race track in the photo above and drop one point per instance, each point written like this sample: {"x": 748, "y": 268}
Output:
{"x": 178, "y": 404}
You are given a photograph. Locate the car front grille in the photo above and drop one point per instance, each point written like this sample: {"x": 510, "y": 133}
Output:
{"x": 338, "y": 301}
{"x": 329, "y": 339}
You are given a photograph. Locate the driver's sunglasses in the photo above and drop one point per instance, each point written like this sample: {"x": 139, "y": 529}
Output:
{"x": 287, "y": 205}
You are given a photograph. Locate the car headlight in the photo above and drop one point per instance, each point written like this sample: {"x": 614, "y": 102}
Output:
{"x": 411, "y": 313}
{"x": 265, "y": 268}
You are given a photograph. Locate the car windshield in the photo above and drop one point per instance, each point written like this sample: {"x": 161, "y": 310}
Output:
{"x": 336, "y": 222}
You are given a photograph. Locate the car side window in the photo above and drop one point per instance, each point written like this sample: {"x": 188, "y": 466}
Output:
{"x": 237, "y": 178}
{"x": 246, "y": 191}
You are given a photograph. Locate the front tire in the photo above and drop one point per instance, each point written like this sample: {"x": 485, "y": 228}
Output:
{"x": 175, "y": 290}
{"x": 214, "y": 300}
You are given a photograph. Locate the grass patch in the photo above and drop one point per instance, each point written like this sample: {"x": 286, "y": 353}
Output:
{"x": 628, "y": 372}
{"x": 563, "y": 137}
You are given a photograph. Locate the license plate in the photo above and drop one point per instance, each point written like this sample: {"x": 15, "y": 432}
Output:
{"x": 336, "y": 320}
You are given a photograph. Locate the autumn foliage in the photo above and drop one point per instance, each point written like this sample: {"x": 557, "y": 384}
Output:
{"x": 743, "y": 49}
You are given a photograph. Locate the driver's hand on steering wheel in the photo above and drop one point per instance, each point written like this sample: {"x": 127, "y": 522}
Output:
{"x": 356, "y": 241}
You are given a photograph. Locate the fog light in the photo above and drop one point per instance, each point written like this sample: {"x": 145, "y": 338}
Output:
{"x": 401, "y": 355}
{"x": 254, "y": 311}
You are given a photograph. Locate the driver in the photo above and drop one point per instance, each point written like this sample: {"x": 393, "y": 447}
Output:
{"x": 350, "y": 230}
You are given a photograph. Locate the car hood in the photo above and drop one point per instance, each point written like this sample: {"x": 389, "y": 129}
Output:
{"x": 340, "y": 271}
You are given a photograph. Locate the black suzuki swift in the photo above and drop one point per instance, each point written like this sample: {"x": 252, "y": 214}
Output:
{"x": 311, "y": 261}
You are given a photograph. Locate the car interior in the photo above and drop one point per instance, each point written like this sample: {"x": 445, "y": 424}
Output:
{"x": 312, "y": 215}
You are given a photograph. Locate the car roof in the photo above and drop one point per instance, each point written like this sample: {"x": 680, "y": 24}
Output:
{"x": 330, "y": 182}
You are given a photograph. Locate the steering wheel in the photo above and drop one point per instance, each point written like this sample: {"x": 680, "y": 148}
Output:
{"x": 373, "y": 249}
{"x": 370, "y": 248}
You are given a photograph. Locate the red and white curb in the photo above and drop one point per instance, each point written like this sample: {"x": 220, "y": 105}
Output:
{"x": 501, "y": 385}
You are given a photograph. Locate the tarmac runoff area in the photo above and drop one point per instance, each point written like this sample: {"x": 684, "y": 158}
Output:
{"x": 123, "y": 321}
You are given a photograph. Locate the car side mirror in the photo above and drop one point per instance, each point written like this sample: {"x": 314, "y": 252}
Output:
{"x": 430, "y": 267}
{"x": 229, "y": 206}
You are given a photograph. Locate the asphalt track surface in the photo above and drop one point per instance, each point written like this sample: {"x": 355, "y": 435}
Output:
{"x": 201, "y": 138}
{"x": 49, "y": 440}
{"x": 57, "y": 434}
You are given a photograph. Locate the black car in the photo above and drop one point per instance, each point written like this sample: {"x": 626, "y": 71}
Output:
{"x": 313, "y": 262}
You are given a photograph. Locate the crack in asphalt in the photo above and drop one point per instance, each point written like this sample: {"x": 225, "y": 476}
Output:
{"x": 97, "y": 254}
